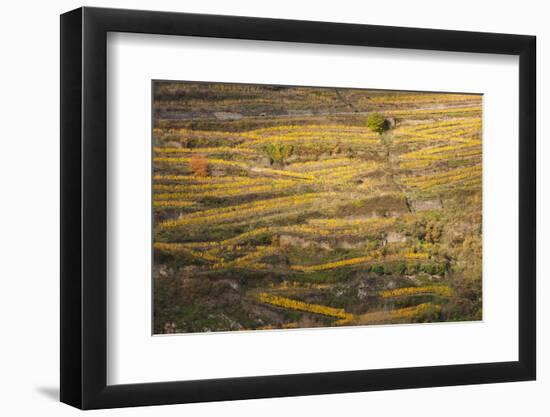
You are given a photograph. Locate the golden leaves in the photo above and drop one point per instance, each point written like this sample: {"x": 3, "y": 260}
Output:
{"x": 303, "y": 306}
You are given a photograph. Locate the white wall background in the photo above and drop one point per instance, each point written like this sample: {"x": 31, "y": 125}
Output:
{"x": 29, "y": 213}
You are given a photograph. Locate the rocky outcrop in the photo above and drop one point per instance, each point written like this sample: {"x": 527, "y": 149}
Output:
{"x": 394, "y": 237}
{"x": 426, "y": 205}
{"x": 225, "y": 115}
{"x": 287, "y": 240}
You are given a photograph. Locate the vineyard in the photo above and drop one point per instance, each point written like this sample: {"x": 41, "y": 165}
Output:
{"x": 281, "y": 207}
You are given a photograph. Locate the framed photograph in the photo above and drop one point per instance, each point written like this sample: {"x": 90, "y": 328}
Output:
{"x": 257, "y": 208}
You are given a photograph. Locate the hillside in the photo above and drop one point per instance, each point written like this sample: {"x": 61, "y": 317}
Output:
{"x": 278, "y": 207}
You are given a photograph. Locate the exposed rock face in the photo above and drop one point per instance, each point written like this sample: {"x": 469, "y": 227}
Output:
{"x": 225, "y": 115}
{"x": 233, "y": 285}
{"x": 162, "y": 271}
{"x": 391, "y": 285}
{"x": 264, "y": 161}
{"x": 287, "y": 240}
{"x": 425, "y": 205}
{"x": 361, "y": 293}
{"x": 349, "y": 245}
{"x": 296, "y": 241}
{"x": 173, "y": 144}
{"x": 394, "y": 237}
{"x": 300, "y": 113}
{"x": 216, "y": 172}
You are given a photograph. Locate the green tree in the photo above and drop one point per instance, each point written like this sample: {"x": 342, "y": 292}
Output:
{"x": 377, "y": 123}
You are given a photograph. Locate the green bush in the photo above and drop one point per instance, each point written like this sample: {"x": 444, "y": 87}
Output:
{"x": 278, "y": 153}
{"x": 402, "y": 268}
{"x": 378, "y": 269}
{"x": 377, "y": 123}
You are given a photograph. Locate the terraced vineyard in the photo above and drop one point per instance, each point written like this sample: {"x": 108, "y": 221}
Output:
{"x": 280, "y": 207}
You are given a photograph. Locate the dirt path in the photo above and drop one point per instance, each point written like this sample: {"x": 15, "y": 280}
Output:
{"x": 391, "y": 167}
{"x": 212, "y": 116}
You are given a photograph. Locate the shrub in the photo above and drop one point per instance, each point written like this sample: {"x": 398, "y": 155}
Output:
{"x": 199, "y": 166}
{"x": 377, "y": 123}
{"x": 427, "y": 313}
{"x": 429, "y": 231}
{"x": 278, "y": 153}
{"x": 402, "y": 268}
{"x": 378, "y": 269}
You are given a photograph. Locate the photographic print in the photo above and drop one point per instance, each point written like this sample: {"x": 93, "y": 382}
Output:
{"x": 283, "y": 207}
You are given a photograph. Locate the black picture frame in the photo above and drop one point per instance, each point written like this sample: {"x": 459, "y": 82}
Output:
{"x": 84, "y": 207}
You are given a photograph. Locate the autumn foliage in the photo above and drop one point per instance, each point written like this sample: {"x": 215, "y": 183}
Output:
{"x": 199, "y": 165}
